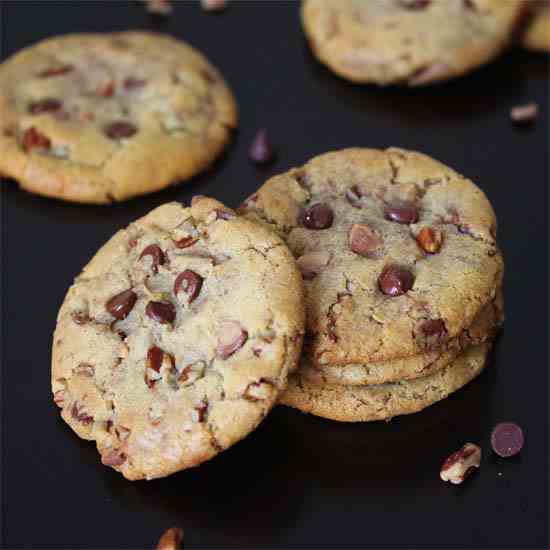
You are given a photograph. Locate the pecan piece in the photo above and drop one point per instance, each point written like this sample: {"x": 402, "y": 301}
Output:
{"x": 461, "y": 464}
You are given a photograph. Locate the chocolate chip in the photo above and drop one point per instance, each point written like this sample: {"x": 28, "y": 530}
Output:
{"x": 354, "y": 196}
{"x": 401, "y": 213}
{"x": 115, "y": 457}
{"x": 154, "y": 358}
{"x": 261, "y": 151}
{"x": 120, "y": 130}
{"x": 157, "y": 256}
{"x": 56, "y": 71}
{"x": 415, "y": 4}
{"x": 132, "y": 83}
{"x": 46, "y": 105}
{"x": 231, "y": 337}
{"x": 318, "y": 216}
{"x": 107, "y": 90}
{"x": 507, "y": 439}
{"x": 120, "y": 305}
{"x": 80, "y": 318}
{"x": 395, "y": 280}
{"x": 190, "y": 282}
{"x": 162, "y": 312}
{"x": 32, "y": 138}
{"x": 186, "y": 242}
{"x": 364, "y": 240}
{"x": 434, "y": 328}
{"x": 79, "y": 414}
{"x": 312, "y": 263}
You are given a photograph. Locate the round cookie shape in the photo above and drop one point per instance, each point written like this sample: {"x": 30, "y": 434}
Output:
{"x": 97, "y": 118}
{"x": 384, "y": 401}
{"x": 162, "y": 371}
{"x": 352, "y": 318}
{"x": 483, "y": 329}
{"x": 411, "y": 42}
{"x": 536, "y": 35}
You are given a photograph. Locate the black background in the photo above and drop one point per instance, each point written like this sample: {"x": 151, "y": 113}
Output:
{"x": 298, "y": 481}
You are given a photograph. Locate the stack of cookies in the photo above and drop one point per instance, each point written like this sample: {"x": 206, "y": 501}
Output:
{"x": 402, "y": 278}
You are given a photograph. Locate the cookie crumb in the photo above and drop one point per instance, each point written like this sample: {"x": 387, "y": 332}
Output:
{"x": 524, "y": 114}
{"x": 160, "y": 7}
{"x": 213, "y": 5}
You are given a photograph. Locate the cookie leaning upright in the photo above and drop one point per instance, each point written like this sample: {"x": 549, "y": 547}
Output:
{"x": 397, "y": 250}
{"x": 410, "y": 42}
{"x": 177, "y": 338}
{"x": 97, "y": 118}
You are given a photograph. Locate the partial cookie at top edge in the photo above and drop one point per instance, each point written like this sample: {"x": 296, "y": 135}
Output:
{"x": 483, "y": 329}
{"x": 397, "y": 250}
{"x": 96, "y": 118}
{"x": 177, "y": 337}
{"x": 536, "y": 35}
{"x": 408, "y": 42}
{"x": 383, "y": 402}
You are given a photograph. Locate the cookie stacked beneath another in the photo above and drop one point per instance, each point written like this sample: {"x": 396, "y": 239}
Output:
{"x": 177, "y": 338}
{"x": 402, "y": 273}
{"x": 96, "y": 118}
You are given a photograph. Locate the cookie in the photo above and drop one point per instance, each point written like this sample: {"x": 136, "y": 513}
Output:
{"x": 483, "y": 329}
{"x": 383, "y": 402}
{"x": 97, "y": 118}
{"x": 397, "y": 250}
{"x": 176, "y": 339}
{"x": 411, "y": 42}
{"x": 537, "y": 33}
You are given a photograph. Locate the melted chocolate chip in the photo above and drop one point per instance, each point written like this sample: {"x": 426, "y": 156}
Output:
{"x": 154, "y": 358}
{"x": 157, "y": 256}
{"x": 434, "y": 328}
{"x": 132, "y": 83}
{"x": 162, "y": 312}
{"x": 32, "y": 138}
{"x": 186, "y": 242}
{"x": 120, "y": 130}
{"x": 56, "y": 71}
{"x": 119, "y": 306}
{"x": 318, "y": 216}
{"x": 401, "y": 213}
{"x": 190, "y": 282}
{"x": 395, "y": 280}
{"x": 46, "y": 105}
{"x": 507, "y": 439}
{"x": 231, "y": 338}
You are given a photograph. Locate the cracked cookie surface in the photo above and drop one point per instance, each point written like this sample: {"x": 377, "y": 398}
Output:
{"x": 483, "y": 329}
{"x": 397, "y": 250}
{"x": 412, "y": 42}
{"x": 97, "y": 118}
{"x": 384, "y": 401}
{"x": 177, "y": 338}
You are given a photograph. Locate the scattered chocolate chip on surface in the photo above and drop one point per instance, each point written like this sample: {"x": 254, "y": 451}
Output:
{"x": 261, "y": 150}
{"x": 507, "y": 439}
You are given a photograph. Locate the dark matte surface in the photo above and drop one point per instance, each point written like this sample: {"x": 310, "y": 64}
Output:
{"x": 299, "y": 481}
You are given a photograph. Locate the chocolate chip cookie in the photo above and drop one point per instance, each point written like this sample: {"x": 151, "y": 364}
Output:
{"x": 383, "y": 402}
{"x": 176, "y": 339}
{"x": 398, "y": 252}
{"x": 96, "y": 118}
{"x": 537, "y": 33}
{"x": 411, "y": 42}
{"x": 483, "y": 329}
